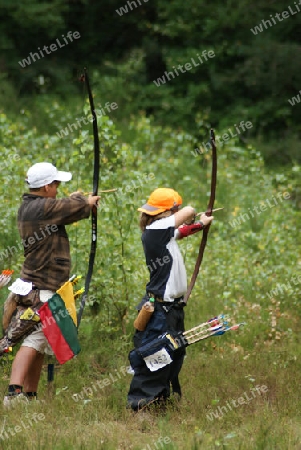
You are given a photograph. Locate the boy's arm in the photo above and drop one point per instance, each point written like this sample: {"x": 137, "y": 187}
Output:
{"x": 184, "y": 215}
{"x": 187, "y": 230}
{"x": 187, "y": 215}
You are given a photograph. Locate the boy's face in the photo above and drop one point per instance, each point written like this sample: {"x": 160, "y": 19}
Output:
{"x": 51, "y": 189}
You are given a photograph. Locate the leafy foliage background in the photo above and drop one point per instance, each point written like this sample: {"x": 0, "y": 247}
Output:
{"x": 156, "y": 137}
{"x": 244, "y": 260}
{"x": 251, "y": 77}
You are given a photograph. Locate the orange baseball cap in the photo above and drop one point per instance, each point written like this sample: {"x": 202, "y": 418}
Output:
{"x": 160, "y": 200}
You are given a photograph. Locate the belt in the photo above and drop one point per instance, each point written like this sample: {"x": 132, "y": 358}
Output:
{"x": 160, "y": 299}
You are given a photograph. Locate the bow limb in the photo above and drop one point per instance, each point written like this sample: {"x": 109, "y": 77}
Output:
{"x": 94, "y": 209}
{"x": 208, "y": 213}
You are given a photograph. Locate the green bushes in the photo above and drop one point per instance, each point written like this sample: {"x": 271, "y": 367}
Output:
{"x": 250, "y": 249}
{"x": 249, "y": 271}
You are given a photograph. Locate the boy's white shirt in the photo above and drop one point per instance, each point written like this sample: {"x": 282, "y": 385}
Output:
{"x": 177, "y": 282}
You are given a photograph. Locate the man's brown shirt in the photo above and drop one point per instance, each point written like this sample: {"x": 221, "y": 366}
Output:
{"x": 41, "y": 223}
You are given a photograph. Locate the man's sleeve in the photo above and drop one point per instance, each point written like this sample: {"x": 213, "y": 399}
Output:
{"x": 67, "y": 210}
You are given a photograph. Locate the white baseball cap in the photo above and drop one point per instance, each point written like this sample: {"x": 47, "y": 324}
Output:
{"x": 44, "y": 173}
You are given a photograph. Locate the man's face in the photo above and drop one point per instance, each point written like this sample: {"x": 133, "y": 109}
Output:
{"x": 51, "y": 189}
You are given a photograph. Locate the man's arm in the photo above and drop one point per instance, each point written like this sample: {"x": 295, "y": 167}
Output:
{"x": 69, "y": 210}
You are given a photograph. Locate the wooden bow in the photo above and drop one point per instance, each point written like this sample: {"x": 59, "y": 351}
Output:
{"x": 85, "y": 78}
{"x": 208, "y": 213}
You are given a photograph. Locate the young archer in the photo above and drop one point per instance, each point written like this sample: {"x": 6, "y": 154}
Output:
{"x": 162, "y": 223}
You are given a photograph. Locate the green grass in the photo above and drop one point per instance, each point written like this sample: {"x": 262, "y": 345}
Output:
{"x": 242, "y": 266}
{"x": 216, "y": 374}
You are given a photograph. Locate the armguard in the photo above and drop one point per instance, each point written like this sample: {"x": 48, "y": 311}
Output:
{"x": 187, "y": 230}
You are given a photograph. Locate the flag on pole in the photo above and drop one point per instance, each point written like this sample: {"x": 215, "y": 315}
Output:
{"x": 58, "y": 317}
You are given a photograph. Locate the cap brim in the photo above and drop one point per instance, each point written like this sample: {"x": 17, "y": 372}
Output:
{"x": 151, "y": 210}
{"x": 63, "y": 176}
